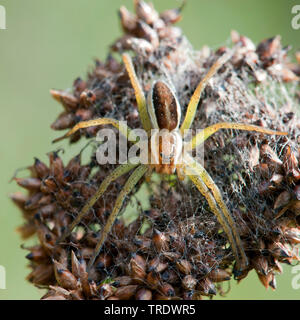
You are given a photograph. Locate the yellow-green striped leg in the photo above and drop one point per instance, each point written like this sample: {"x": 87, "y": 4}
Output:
{"x": 121, "y": 126}
{"x": 193, "y": 104}
{"x": 139, "y": 93}
{"x": 118, "y": 172}
{"x": 207, "y": 132}
{"x": 219, "y": 215}
{"x": 129, "y": 185}
{"x": 197, "y": 169}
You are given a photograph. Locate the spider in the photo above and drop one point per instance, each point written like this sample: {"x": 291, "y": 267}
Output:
{"x": 162, "y": 111}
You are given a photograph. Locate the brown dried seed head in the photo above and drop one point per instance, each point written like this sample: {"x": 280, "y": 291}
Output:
{"x": 104, "y": 261}
{"x": 75, "y": 264}
{"x": 282, "y": 200}
{"x": 160, "y": 241}
{"x": 143, "y": 294}
{"x": 153, "y": 279}
{"x": 290, "y": 163}
{"x": 122, "y": 281}
{"x": 167, "y": 290}
{"x": 279, "y": 251}
{"x": 26, "y": 230}
{"x": 66, "y": 99}
{"x": 146, "y": 11}
{"x": 87, "y": 98}
{"x": 64, "y": 277}
{"x": 172, "y": 16}
{"x": 40, "y": 168}
{"x": 184, "y": 266}
{"x": 125, "y": 293}
{"x": 206, "y": 287}
{"x": 128, "y": 20}
{"x": 219, "y": 275}
{"x": 41, "y": 275}
{"x": 260, "y": 264}
{"x": 272, "y": 282}
{"x": 64, "y": 121}
{"x": 266, "y": 279}
{"x": 29, "y": 183}
{"x": 292, "y": 235}
{"x": 37, "y": 254}
{"x": 156, "y": 265}
{"x": 270, "y": 154}
{"x": 277, "y": 266}
{"x": 146, "y": 32}
{"x": 189, "y": 282}
{"x": 78, "y": 86}
{"x": 105, "y": 290}
{"x": 138, "y": 267}
{"x": 254, "y": 157}
{"x": 143, "y": 243}
{"x": 19, "y": 199}
{"x": 83, "y": 114}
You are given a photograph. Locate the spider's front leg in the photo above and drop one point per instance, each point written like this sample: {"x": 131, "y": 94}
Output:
{"x": 121, "y": 126}
{"x": 193, "y": 104}
{"x": 204, "y": 134}
{"x": 141, "y": 102}
{"x": 139, "y": 94}
{"x": 129, "y": 185}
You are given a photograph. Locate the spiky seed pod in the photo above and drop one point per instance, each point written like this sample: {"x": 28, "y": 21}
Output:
{"x": 160, "y": 241}
{"x": 189, "y": 282}
{"x": 143, "y": 294}
{"x": 206, "y": 287}
{"x": 64, "y": 277}
{"x": 219, "y": 275}
{"x": 167, "y": 290}
{"x": 126, "y": 292}
{"x": 184, "y": 266}
{"x": 138, "y": 268}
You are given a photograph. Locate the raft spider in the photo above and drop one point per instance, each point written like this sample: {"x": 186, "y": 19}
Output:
{"x": 162, "y": 111}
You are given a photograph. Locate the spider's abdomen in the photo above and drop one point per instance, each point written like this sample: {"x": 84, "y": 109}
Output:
{"x": 163, "y": 107}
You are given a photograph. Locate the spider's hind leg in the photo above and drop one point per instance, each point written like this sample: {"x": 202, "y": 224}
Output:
{"x": 129, "y": 185}
{"x": 204, "y": 182}
{"x": 118, "y": 172}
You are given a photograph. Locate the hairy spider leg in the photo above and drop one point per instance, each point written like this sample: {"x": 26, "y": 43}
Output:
{"x": 207, "y": 132}
{"x": 193, "y": 104}
{"x": 114, "y": 175}
{"x": 123, "y": 128}
{"x": 208, "y": 181}
{"x": 129, "y": 185}
{"x": 219, "y": 215}
{"x": 139, "y": 93}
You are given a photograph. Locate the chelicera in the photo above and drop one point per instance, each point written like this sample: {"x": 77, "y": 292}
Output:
{"x": 162, "y": 111}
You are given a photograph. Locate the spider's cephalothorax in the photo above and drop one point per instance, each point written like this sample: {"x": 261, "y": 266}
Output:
{"x": 160, "y": 118}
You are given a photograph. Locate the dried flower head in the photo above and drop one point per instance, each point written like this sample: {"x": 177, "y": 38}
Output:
{"x": 175, "y": 249}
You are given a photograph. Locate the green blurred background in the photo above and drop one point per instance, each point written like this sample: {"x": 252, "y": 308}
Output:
{"x": 48, "y": 43}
